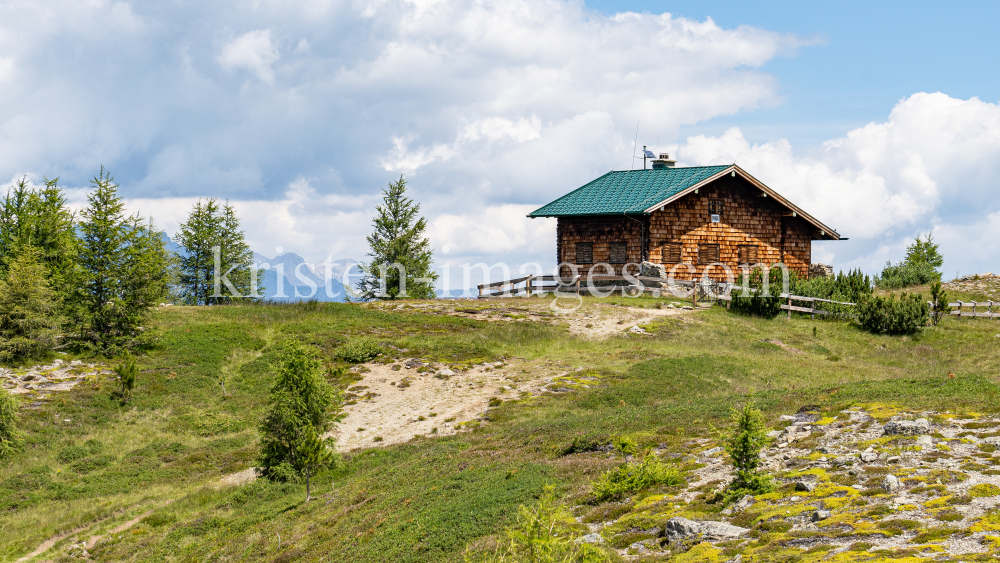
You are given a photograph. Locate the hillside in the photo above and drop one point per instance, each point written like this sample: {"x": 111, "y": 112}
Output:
{"x": 534, "y": 399}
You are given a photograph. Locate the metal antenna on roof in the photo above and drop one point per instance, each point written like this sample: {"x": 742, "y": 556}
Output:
{"x": 635, "y": 143}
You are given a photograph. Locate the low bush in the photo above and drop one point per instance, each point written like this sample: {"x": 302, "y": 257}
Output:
{"x": 631, "y": 477}
{"x": 541, "y": 534}
{"x": 358, "y": 350}
{"x": 881, "y": 315}
{"x": 749, "y": 297}
{"x": 11, "y": 437}
{"x": 852, "y": 287}
{"x": 905, "y": 274}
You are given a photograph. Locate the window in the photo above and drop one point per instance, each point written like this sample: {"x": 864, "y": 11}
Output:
{"x": 708, "y": 253}
{"x": 671, "y": 253}
{"x": 747, "y": 254}
{"x": 584, "y": 253}
{"x": 715, "y": 207}
{"x": 619, "y": 252}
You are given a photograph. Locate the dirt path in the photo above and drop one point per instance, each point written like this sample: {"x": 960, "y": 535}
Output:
{"x": 602, "y": 322}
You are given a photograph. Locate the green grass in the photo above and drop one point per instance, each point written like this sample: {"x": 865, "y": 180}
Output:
{"x": 431, "y": 498}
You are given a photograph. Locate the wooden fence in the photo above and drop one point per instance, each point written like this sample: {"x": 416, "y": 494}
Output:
{"x": 977, "y": 307}
{"x": 812, "y": 306}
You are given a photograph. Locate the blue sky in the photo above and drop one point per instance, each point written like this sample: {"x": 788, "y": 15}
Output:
{"x": 880, "y": 118}
{"x": 869, "y": 56}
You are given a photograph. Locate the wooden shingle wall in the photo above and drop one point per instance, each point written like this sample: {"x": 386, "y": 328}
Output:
{"x": 602, "y": 231}
{"x": 746, "y": 218}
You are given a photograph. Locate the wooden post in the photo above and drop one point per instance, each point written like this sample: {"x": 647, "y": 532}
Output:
{"x": 973, "y": 309}
{"x": 694, "y": 295}
{"x": 960, "y": 308}
{"x": 480, "y": 291}
{"x": 789, "y": 306}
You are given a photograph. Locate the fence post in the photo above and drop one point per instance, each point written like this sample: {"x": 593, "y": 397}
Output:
{"x": 973, "y": 309}
{"x": 960, "y": 308}
{"x": 789, "y": 306}
{"x": 480, "y": 291}
{"x": 527, "y": 286}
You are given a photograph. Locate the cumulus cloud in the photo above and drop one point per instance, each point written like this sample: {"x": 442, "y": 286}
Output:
{"x": 931, "y": 166}
{"x": 252, "y": 51}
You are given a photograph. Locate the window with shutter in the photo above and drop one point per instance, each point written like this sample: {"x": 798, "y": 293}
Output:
{"x": 619, "y": 252}
{"x": 671, "y": 253}
{"x": 708, "y": 253}
{"x": 748, "y": 254}
{"x": 715, "y": 207}
{"x": 584, "y": 253}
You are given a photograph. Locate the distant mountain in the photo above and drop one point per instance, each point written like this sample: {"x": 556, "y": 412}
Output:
{"x": 288, "y": 277}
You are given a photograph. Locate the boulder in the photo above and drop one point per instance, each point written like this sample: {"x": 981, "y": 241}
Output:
{"x": 721, "y": 531}
{"x": 890, "y": 483}
{"x": 868, "y": 457}
{"x": 651, "y": 270}
{"x": 590, "y": 538}
{"x": 925, "y": 441}
{"x": 820, "y": 515}
{"x": 907, "y": 427}
{"x": 805, "y": 486}
{"x": 678, "y": 528}
{"x": 744, "y": 503}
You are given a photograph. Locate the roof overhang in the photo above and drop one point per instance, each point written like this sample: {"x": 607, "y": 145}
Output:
{"x": 825, "y": 231}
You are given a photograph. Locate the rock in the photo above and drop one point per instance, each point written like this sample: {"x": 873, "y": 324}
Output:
{"x": 590, "y": 538}
{"x": 805, "y": 486}
{"x": 925, "y": 441}
{"x": 907, "y": 427}
{"x": 446, "y": 372}
{"x": 737, "y": 559}
{"x": 890, "y": 483}
{"x": 844, "y": 460}
{"x": 711, "y": 452}
{"x": 820, "y": 515}
{"x": 774, "y": 434}
{"x": 993, "y": 440}
{"x": 640, "y": 548}
{"x": 868, "y": 457}
{"x": 651, "y": 270}
{"x": 786, "y": 417}
{"x": 744, "y": 503}
{"x": 721, "y": 530}
{"x": 818, "y": 270}
{"x": 678, "y": 528}
{"x": 893, "y": 459}
{"x": 637, "y": 330}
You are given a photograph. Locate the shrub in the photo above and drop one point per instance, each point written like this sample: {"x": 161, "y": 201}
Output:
{"x": 630, "y": 477}
{"x": 126, "y": 372}
{"x": 746, "y": 441}
{"x": 11, "y": 438}
{"x": 358, "y": 350}
{"x": 881, "y": 315}
{"x": 749, "y": 298}
{"x": 906, "y": 274}
{"x": 543, "y": 534}
{"x": 852, "y": 287}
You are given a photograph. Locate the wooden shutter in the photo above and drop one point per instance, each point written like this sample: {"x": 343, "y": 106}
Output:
{"x": 671, "y": 253}
{"x": 619, "y": 252}
{"x": 708, "y": 253}
{"x": 584, "y": 253}
{"x": 747, "y": 254}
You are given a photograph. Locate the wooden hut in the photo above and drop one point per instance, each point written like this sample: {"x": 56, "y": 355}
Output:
{"x": 685, "y": 219}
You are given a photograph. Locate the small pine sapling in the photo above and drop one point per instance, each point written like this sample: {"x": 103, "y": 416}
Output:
{"x": 11, "y": 438}
{"x": 313, "y": 454}
{"x": 746, "y": 441}
{"x": 625, "y": 446}
{"x": 939, "y": 299}
{"x": 127, "y": 372}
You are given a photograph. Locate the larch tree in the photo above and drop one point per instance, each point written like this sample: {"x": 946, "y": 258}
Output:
{"x": 29, "y": 310}
{"x": 400, "y": 254}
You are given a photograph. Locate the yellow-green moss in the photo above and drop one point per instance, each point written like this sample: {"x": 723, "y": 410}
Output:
{"x": 984, "y": 490}
{"x": 701, "y": 553}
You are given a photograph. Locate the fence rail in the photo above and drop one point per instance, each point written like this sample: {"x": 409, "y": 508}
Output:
{"x": 537, "y": 285}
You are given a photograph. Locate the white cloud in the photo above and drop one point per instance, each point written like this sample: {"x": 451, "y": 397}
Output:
{"x": 252, "y": 51}
{"x": 931, "y": 166}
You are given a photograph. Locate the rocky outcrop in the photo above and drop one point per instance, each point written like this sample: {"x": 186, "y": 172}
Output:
{"x": 907, "y": 427}
{"x": 679, "y": 528}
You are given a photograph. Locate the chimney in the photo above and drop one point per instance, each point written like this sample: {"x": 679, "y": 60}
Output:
{"x": 663, "y": 162}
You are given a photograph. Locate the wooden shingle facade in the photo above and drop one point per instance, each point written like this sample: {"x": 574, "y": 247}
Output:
{"x": 685, "y": 219}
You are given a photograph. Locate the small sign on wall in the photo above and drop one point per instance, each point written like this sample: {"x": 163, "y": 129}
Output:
{"x": 715, "y": 217}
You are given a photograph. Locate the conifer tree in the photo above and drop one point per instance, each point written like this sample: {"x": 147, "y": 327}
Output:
{"x": 39, "y": 219}
{"x": 313, "y": 454}
{"x": 29, "y": 310}
{"x": 213, "y": 233}
{"x": 125, "y": 272}
{"x": 300, "y": 403}
{"x": 398, "y": 241}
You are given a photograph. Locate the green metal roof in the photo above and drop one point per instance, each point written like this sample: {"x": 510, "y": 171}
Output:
{"x": 627, "y": 191}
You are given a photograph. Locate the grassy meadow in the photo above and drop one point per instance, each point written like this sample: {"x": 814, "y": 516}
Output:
{"x": 90, "y": 461}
